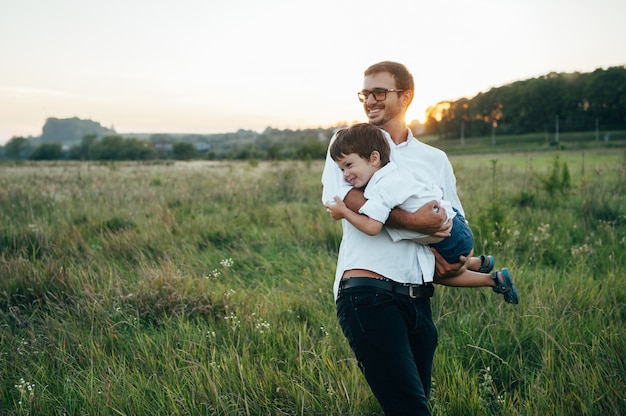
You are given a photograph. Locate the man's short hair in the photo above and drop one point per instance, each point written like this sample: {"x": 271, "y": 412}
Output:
{"x": 404, "y": 79}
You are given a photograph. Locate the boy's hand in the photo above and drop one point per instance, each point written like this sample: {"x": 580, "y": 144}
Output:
{"x": 336, "y": 209}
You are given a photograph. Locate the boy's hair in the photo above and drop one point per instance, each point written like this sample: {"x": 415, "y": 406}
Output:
{"x": 404, "y": 79}
{"x": 362, "y": 139}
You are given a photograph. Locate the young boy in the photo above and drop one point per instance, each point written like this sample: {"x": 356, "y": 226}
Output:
{"x": 363, "y": 155}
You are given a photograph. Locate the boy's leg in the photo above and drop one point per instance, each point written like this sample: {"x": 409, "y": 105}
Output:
{"x": 460, "y": 243}
{"x": 467, "y": 278}
{"x": 481, "y": 264}
{"x": 504, "y": 285}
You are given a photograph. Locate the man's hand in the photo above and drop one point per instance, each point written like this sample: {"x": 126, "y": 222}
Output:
{"x": 354, "y": 199}
{"x": 429, "y": 219}
{"x": 445, "y": 269}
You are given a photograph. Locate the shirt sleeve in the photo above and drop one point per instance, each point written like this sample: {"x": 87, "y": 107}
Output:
{"x": 376, "y": 210}
{"x": 449, "y": 188}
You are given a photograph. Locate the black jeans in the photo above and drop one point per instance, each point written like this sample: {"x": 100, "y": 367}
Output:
{"x": 394, "y": 339}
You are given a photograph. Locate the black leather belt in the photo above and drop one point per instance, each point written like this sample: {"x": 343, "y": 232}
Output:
{"x": 411, "y": 290}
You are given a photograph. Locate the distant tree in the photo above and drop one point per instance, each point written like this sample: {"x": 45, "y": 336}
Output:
{"x": 47, "y": 151}
{"x": 184, "y": 151}
{"x": 605, "y": 97}
{"x": 311, "y": 149}
{"x": 18, "y": 148}
{"x": 81, "y": 151}
{"x": 579, "y": 100}
{"x": 118, "y": 148}
{"x": 434, "y": 116}
{"x": 273, "y": 151}
{"x": 135, "y": 149}
{"x": 430, "y": 125}
{"x": 109, "y": 148}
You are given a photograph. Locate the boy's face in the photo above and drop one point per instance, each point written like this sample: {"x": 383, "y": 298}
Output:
{"x": 358, "y": 170}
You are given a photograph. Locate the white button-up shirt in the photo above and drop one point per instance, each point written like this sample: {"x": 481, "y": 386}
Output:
{"x": 404, "y": 261}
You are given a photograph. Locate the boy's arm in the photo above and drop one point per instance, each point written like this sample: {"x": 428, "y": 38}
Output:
{"x": 362, "y": 222}
{"x": 425, "y": 220}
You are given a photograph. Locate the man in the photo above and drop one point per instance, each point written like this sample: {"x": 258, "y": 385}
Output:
{"x": 383, "y": 289}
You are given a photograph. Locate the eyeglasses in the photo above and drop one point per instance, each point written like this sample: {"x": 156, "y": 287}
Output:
{"x": 380, "y": 94}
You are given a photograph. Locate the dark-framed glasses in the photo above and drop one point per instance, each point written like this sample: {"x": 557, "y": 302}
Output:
{"x": 380, "y": 94}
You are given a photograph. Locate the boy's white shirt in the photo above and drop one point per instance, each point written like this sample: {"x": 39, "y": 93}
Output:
{"x": 392, "y": 187}
{"x": 378, "y": 253}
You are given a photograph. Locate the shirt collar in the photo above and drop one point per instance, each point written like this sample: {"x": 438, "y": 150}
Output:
{"x": 409, "y": 138}
{"x": 391, "y": 166}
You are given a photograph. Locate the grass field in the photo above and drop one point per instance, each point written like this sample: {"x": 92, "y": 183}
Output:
{"x": 205, "y": 288}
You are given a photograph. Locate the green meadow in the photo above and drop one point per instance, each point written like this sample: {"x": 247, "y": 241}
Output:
{"x": 205, "y": 288}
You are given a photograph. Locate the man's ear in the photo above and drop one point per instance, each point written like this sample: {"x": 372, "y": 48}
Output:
{"x": 407, "y": 97}
{"x": 375, "y": 158}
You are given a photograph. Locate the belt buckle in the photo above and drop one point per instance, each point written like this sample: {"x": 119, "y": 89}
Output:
{"x": 412, "y": 294}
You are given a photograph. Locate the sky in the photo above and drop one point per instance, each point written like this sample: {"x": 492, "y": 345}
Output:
{"x": 209, "y": 66}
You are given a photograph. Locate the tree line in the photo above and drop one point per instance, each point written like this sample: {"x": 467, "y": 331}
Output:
{"x": 568, "y": 101}
{"x": 272, "y": 144}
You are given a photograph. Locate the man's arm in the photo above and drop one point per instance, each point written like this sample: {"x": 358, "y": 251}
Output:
{"x": 426, "y": 220}
{"x": 429, "y": 219}
{"x": 354, "y": 199}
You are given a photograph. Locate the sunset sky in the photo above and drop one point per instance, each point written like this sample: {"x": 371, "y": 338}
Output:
{"x": 208, "y": 66}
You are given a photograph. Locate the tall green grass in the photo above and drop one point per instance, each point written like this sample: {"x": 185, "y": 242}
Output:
{"x": 205, "y": 288}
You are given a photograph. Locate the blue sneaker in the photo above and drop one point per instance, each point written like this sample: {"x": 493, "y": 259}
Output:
{"x": 505, "y": 286}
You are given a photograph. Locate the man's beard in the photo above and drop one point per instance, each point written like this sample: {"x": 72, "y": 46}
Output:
{"x": 388, "y": 115}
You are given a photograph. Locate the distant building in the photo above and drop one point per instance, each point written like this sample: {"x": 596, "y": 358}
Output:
{"x": 202, "y": 147}
{"x": 164, "y": 147}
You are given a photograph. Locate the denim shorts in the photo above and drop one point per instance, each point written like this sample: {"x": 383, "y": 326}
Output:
{"x": 460, "y": 243}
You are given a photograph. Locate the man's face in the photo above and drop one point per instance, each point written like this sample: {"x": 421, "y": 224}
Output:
{"x": 380, "y": 113}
